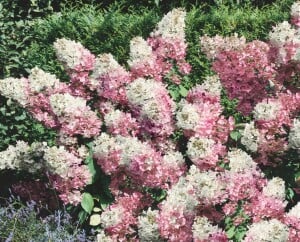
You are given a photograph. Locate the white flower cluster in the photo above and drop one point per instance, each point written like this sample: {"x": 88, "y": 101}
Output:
{"x": 12, "y": 157}
{"x": 271, "y": 230}
{"x": 147, "y": 226}
{"x": 105, "y": 63}
{"x": 181, "y": 196}
{"x": 240, "y": 161}
{"x": 140, "y": 91}
{"x": 199, "y": 147}
{"x": 281, "y": 34}
{"x": 266, "y": 110}
{"x": 275, "y": 188}
{"x": 129, "y": 147}
{"x": 111, "y": 216}
{"x": 64, "y": 104}
{"x": 15, "y": 89}
{"x": 172, "y": 25}
{"x": 23, "y": 157}
{"x": 295, "y": 10}
{"x": 68, "y": 52}
{"x": 56, "y": 160}
{"x": 212, "y": 46}
{"x": 140, "y": 51}
{"x": 202, "y": 229}
{"x": 173, "y": 159}
{"x": 208, "y": 184}
{"x": 40, "y": 80}
{"x": 295, "y": 211}
{"x": 294, "y": 135}
{"x": 101, "y": 237}
{"x": 212, "y": 85}
{"x": 111, "y": 117}
{"x": 250, "y": 137}
{"x": 187, "y": 116}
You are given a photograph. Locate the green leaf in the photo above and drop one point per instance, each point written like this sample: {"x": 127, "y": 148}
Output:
{"x": 230, "y": 233}
{"x": 82, "y": 216}
{"x": 174, "y": 94}
{"x": 87, "y": 202}
{"x": 183, "y": 91}
{"x": 290, "y": 193}
{"x": 235, "y": 135}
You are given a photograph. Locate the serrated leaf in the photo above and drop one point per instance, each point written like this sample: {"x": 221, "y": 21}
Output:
{"x": 95, "y": 220}
{"x": 87, "y": 202}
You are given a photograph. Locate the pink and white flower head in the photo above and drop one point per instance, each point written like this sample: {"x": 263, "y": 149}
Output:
{"x": 212, "y": 85}
{"x": 269, "y": 230}
{"x": 67, "y": 175}
{"x": 245, "y": 73}
{"x": 140, "y": 52}
{"x": 148, "y": 227}
{"x": 172, "y": 25}
{"x": 198, "y": 118}
{"x": 138, "y": 160}
{"x": 120, "y": 218}
{"x": 144, "y": 62}
{"x": 212, "y": 46}
{"x": 119, "y": 122}
{"x": 110, "y": 79}
{"x": 292, "y": 220}
{"x": 74, "y": 116}
{"x": 295, "y": 14}
{"x": 40, "y": 81}
{"x": 73, "y": 55}
{"x": 168, "y": 43}
{"x": 281, "y": 34}
{"x": 204, "y": 152}
{"x": 209, "y": 186}
{"x": 240, "y": 161}
{"x": 275, "y": 188}
{"x": 204, "y": 231}
{"x": 152, "y": 106}
{"x": 268, "y": 204}
{"x": 177, "y": 212}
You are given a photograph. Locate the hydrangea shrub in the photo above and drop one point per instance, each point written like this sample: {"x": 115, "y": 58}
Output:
{"x": 214, "y": 188}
